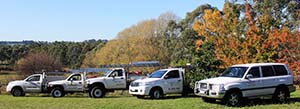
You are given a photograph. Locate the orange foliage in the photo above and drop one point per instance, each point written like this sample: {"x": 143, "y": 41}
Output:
{"x": 285, "y": 45}
{"x": 260, "y": 42}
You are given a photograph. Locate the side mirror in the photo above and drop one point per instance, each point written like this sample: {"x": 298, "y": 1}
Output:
{"x": 248, "y": 76}
{"x": 72, "y": 79}
{"x": 167, "y": 77}
{"x": 113, "y": 75}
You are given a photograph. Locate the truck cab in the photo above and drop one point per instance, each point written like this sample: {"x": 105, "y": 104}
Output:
{"x": 159, "y": 83}
{"x": 114, "y": 79}
{"x": 74, "y": 83}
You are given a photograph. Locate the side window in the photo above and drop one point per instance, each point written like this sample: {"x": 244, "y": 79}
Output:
{"x": 116, "y": 73}
{"x": 76, "y": 77}
{"x": 255, "y": 72}
{"x": 280, "y": 70}
{"x": 173, "y": 74}
{"x": 34, "y": 78}
{"x": 267, "y": 71}
{"x": 120, "y": 73}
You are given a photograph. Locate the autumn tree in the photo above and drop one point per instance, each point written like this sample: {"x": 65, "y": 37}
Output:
{"x": 252, "y": 31}
{"x": 139, "y": 42}
{"x": 36, "y": 62}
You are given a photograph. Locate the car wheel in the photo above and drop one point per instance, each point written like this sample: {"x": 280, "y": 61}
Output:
{"x": 140, "y": 96}
{"x": 280, "y": 95}
{"x": 209, "y": 100}
{"x": 233, "y": 99}
{"x": 57, "y": 92}
{"x": 90, "y": 94}
{"x": 156, "y": 94}
{"x": 17, "y": 92}
{"x": 97, "y": 92}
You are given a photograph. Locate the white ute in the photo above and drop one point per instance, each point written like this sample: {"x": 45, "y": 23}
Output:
{"x": 36, "y": 83}
{"x": 248, "y": 81}
{"x": 115, "y": 79}
{"x": 159, "y": 83}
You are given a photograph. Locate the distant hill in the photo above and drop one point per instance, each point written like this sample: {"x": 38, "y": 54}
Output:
{"x": 24, "y": 42}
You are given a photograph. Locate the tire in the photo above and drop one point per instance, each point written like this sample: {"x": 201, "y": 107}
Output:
{"x": 140, "y": 96}
{"x": 97, "y": 92}
{"x": 209, "y": 100}
{"x": 17, "y": 91}
{"x": 233, "y": 99}
{"x": 281, "y": 95}
{"x": 57, "y": 92}
{"x": 156, "y": 93}
{"x": 90, "y": 94}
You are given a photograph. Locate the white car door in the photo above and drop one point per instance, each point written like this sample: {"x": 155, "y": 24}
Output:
{"x": 174, "y": 83}
{"x": 269, "y": 79}
{"x": 116, "y": 79}
{"x": 253, "y": 85}
{"x": 75, "y": 83}
{"x": 33, "y": 83}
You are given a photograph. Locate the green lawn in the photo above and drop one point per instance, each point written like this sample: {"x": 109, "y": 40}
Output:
{"x": 128, "y": 102}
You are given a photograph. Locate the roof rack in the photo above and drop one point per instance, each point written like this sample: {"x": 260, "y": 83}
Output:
{"x": 135, "y": 64}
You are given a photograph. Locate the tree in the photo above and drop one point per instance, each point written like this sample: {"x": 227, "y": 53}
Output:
{"x": 252, "y": 31}
{"x": 36, "y": 62}
{"x": 140, "y": 42}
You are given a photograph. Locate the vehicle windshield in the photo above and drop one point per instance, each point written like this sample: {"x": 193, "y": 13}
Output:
{"x": 237, "y": 72}
{"x": 107, "y": 72}
{"x": 157, "y": 74}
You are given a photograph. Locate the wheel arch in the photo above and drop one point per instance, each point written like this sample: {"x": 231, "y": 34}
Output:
{"x": 100, "y": 84}
{"x": 60, "y": 86}
{"x": 235, "y": 89}
{"x": 17, "y": 86}
{"x": 282, "y": 86}
{"x": 156, "y": 87}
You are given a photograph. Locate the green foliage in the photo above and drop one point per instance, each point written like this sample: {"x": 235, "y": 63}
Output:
{"x": 183, "y": 49}
{"x": 205, "y": 64}
{"x": 71, "y": 54}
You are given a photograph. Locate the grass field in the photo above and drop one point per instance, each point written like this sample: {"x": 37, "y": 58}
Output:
{"x": 129, "y": 102}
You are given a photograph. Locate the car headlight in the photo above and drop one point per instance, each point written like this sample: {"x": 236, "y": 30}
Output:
{"x": 217, "y": 87}
{"x": 145, "y": 83}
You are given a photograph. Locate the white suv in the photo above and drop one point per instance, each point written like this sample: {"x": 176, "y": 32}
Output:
{"x": 248, "y": 81}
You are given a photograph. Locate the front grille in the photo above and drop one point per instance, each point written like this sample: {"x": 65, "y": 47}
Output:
{"x": 134, "y": 84}
{"x": 203, "y": 85}
{"x": 134, "y": 90}
{"x": 210, "y": 86}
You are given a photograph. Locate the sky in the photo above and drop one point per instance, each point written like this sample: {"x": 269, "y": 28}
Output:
{"x": 79, "y": 20}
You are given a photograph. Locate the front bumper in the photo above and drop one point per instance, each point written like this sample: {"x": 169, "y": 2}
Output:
{"x": 210, "y": 93}
{"x": 8, "y": 88}
{"x": 139, "y": 90}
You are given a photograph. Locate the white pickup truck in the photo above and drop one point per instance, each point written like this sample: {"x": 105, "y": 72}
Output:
{"x": 36, "y": 83}
{"x": 159, "y": 83}
{"x": 115, "y": 79}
